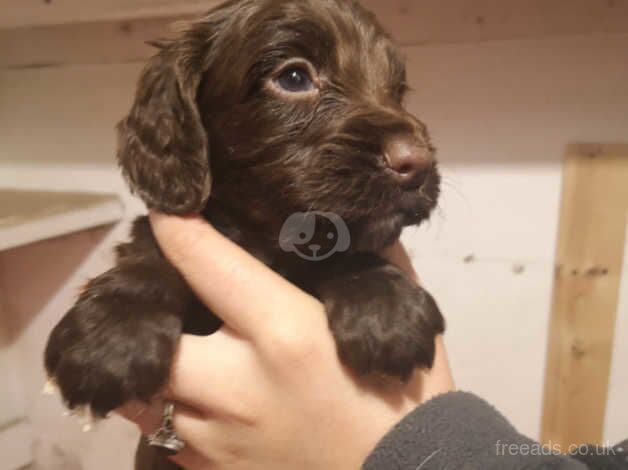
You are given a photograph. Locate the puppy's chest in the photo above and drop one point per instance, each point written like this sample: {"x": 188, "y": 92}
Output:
{"x": 265, "y": 247}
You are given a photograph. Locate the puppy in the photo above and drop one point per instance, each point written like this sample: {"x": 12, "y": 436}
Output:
{"x": 258, "y": 115}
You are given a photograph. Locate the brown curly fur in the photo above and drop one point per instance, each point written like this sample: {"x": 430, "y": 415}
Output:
{"x": 209, "y": 134}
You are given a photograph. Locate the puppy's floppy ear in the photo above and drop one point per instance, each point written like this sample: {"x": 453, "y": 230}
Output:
{"x": 162, "y": 144}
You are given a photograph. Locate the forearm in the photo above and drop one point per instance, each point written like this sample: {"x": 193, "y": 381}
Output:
{"x": 459, "y": 430}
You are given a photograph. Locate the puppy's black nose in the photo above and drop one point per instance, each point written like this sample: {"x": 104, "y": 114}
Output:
{"x": 409, "y": 161}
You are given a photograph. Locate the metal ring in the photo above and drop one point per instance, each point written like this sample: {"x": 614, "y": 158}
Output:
{"x": 165, "y": 438}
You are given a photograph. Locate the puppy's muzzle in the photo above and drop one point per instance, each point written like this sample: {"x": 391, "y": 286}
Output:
{"x": 409, "y": 161}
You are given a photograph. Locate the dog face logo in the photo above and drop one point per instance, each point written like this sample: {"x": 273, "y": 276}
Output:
{"x": 315, "y": 235}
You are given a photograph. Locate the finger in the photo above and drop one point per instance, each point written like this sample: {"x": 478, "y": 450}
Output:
{"x": 193, "y": 427}
{"x": 212, "y": 387}
{"x": 148, "y": 416}
{"x": 242, "y": 291}
{"x": 186, "y": 457}
{"x": 397, "y": 255}
{"x": 189, "y": 459}
{"x": 217, "y": 440}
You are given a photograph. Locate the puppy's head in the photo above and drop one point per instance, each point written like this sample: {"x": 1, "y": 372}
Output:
{"x": 291, "y": 106}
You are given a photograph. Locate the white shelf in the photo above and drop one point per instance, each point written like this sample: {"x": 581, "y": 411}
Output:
{"x": 30, "y": 216}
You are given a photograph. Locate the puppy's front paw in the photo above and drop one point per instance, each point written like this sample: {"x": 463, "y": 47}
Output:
{"x": 102, "y": 354}
{"x": 382, "y": 322}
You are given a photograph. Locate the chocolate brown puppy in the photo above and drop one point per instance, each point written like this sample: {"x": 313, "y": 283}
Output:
{"x": 281, "y": 122}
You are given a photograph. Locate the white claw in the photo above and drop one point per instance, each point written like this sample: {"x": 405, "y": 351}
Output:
{"x": 50, "y": 387}
{"x": 80, "y": 412}
{"x": 87, "y": 420}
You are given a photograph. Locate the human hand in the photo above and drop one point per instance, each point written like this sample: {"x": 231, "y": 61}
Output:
{"x": 267, "y": 390}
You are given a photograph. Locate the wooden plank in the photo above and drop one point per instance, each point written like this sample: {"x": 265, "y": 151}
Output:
{"x": 79, "y": 31}
{"x": 28, "y": 13}
{"x": 588, "y": 269}
{"x": 415, "y": 17}
{"x": 414, "y": 22}
{"x": 106, "y": 42}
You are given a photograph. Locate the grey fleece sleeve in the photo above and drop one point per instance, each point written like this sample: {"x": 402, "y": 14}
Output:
{"x": 459, "y": 431}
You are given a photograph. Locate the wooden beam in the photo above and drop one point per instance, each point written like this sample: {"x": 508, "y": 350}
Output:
{"x": 80, "y": 31}
{"x": 30, "y": 13}
{"x": 589, "y": 258}
{"x": 414, "y": 22}
{"x": 416, "y": 18}
{"x": 106, "y": 42}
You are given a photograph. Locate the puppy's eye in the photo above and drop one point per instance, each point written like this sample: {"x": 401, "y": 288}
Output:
{"x": 295, "y": 80}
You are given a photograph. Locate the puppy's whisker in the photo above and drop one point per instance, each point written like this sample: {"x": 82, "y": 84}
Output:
{"x": 455, "y": 187}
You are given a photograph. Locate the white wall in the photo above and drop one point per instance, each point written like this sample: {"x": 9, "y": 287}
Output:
{"x": 501, "y": 114}
{"x": 64, "y": 115}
